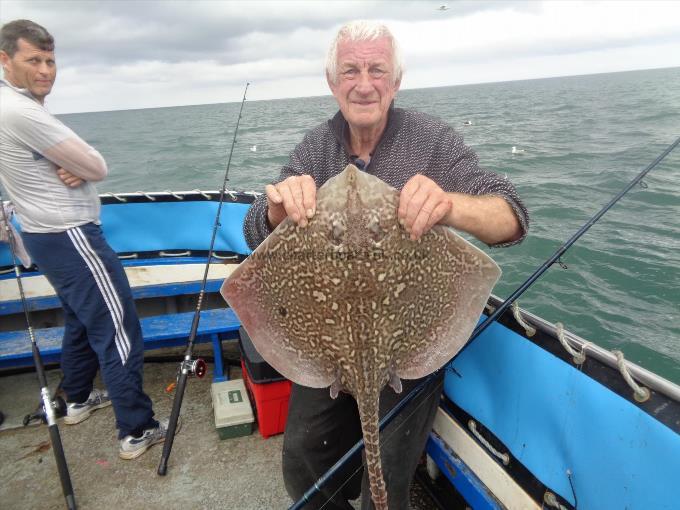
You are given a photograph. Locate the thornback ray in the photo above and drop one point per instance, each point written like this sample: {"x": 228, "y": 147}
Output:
{"x": 351, "y": 302}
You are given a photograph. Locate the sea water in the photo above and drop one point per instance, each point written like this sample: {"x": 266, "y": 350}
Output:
{"x": 584, "y": 138}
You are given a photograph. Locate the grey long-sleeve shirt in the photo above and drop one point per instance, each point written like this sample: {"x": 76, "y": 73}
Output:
{"x": 33, "y": 145}
{"x": 413, "y": 143}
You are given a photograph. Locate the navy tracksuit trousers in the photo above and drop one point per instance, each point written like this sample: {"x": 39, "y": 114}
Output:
{"x": 101, "y": 328}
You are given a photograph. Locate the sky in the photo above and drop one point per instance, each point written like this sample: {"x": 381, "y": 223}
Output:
{"x": 116, "y": 55}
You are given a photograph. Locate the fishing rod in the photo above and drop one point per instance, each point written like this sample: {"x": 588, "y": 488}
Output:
{"x": 190, "y": 367}
{"x": 48, "y": 404}
{"x": 555, "y": 257}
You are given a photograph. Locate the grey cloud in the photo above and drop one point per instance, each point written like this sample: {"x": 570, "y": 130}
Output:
{"x": 88, "y": 32}
{"x": 150, "y": 53}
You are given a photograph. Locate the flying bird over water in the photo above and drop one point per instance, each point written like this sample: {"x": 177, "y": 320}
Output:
{"x": 443, "y": 7}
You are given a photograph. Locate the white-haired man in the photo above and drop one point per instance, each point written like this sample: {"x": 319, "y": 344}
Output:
{"x": 440, "y": 182}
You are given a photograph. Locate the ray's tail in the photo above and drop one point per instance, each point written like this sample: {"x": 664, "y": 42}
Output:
{"x": 368, "y": 412}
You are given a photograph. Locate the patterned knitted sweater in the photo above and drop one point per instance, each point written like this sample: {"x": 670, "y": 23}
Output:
{"x": 413, "y": 143}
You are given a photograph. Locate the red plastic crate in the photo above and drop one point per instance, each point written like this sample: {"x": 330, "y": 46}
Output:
{"x": 271, "y": 403}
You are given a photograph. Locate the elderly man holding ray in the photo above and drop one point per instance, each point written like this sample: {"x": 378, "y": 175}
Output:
{"x": 440, "y": 183}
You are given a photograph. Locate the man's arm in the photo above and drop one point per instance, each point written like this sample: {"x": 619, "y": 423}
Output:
{"x": 45, "y": 134}
{"x": 489, "y": 218}
{"x": 78, "y": 159}
{"x": 458, "y": 193}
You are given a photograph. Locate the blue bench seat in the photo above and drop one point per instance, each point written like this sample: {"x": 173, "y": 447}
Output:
{"x": 169, "y": 330}
{"x": 8, "y": 307}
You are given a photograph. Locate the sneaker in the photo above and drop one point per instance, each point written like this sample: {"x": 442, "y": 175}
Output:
{"x": 75, "y": 413}
{"x": 132, "y": 447}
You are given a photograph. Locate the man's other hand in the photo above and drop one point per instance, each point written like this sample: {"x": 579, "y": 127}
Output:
{"x": 69, "y": 179}
{"x": 295, "y": 198}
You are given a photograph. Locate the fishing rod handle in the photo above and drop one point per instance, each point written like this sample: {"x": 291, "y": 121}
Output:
{"x": 172, "y": 426}
{"x": 62, "y": 467}
{"x": 37, "y": 361}
{"x": 51, "y": 418}
{"x": 195, "y": 321}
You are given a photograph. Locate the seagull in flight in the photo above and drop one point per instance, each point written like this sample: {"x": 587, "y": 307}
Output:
{"x": 443, "y": 7}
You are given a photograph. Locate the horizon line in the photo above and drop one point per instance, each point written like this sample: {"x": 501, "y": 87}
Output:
{"x": 406, "y": 89}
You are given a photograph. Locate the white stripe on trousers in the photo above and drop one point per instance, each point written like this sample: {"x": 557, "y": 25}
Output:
{"x": 106, "y": 287}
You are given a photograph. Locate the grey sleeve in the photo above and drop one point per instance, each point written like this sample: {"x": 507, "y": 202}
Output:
{"x": 255, "y": 226}
{"x": 36, "y": 128}
{"x": 464, "y": 175}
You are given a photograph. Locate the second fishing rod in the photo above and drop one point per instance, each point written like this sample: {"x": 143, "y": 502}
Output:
{"x": 48, "y": 411}
{"x": 189, "y": 366}
{"x": 555, "y": 257}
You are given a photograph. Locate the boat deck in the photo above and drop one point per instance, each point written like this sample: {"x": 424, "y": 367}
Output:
{"x": 204, "y": 472}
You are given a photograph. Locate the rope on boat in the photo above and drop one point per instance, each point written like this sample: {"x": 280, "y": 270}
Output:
{"x": 640, "y": 393}
{"x": 579, "y": 357}
{"x": 504, "y": 457}
{"x": 181, "y": 254}
{"x": 152, "y": 198}
{"x": 162, "y": 254}
{"x": 529, "y": 330}
{"x": 202, "y": 193}
{"x": 224, "y": 257}
{"x": 550, "y": 499}
{"x": 178, "y": 197}
{"x": 117, "y": 197}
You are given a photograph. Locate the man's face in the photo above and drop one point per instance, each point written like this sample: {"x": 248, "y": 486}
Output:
{"x": 30, "y": 68}
{"x": 365, "y": 85}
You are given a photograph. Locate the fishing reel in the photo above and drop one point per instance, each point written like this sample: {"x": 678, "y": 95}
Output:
{"x": 59, "y": 406}
{"x": 194, "y": 368}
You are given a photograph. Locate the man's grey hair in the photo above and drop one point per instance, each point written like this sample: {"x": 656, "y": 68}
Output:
{"x": 363, "y": 30}
{"x": 28, "y": 31}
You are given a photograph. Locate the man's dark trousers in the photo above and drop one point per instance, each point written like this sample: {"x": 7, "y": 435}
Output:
{"x": 101, "y": 327}
{"x": 320, "y": 430}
